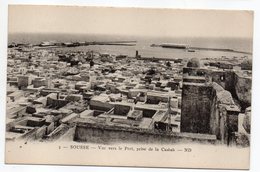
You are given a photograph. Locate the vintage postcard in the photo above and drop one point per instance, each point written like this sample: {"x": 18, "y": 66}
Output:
{"x": 129, "y": 87}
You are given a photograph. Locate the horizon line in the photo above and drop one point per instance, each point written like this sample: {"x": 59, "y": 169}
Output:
{"x": 136, "y": 35}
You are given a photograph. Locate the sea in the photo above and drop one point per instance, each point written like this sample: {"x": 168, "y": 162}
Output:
{"x": 243, "y": 45}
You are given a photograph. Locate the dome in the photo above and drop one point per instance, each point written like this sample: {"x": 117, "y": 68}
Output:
{"x": 194, "y": 62}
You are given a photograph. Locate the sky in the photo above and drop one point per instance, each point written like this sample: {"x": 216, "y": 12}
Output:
{"x": 129, "y": 21}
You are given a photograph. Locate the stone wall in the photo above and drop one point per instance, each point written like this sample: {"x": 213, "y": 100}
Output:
{"x": 243, "y": 87}
{"x": 39, "y": 82}
{"x": 56, "y": 102}
{"x": 196, "y": 108}
{"x": 233, "y": 81}
{"x": 238, "y": 85}
{"x": 147, "y": 113}
{"x": 40, "y": 132}
{"x": 156, "y": 98}
{"x": 112, "y": 134}
{"x": 23, "y": 81}
{"x": 101, "y": 106}
{"x": 219, "y": 77}
{"x": 224, "y": 114}
{"x": 121, "y": 109}
{"x": 214, "y": 115}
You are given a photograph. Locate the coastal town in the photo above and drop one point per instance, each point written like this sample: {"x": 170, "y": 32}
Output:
{"x": 55, "y": 93}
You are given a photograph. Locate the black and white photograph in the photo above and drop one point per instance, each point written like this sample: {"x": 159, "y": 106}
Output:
{"x": 140, "y": 87}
